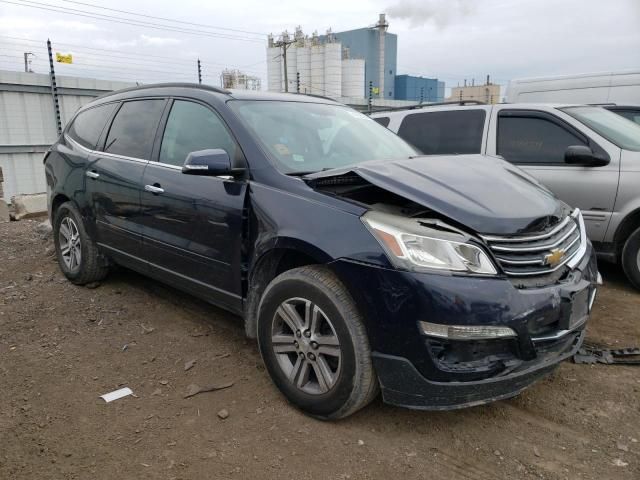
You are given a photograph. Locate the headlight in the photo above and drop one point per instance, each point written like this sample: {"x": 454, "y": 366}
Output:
{"x": 413, "y": 245}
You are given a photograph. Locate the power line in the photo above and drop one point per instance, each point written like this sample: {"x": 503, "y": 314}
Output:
{"x": 164, "y": 19}
{"x": 129, "y": 54}
{"x": 125, "y": 21}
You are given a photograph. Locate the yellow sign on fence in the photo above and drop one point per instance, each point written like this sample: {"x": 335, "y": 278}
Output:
{"x": 64, "y": 58}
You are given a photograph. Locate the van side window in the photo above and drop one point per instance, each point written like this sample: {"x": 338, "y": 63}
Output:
{"x": 133, "y": 129}
{"x": 88, "y": 125}
{"x": 449, "y": 132}
{"x": 191, "y": 127}
{"x": 533, "y": 140}
{"x": 633, "y": 115}
{"x": 384, "y": 121}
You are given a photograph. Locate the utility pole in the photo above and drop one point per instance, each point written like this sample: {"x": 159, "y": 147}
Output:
{"x": 285, "y": 43}
{"x": 199, "y": 72}
{"x": 27, "y": 62}
{"x": 54, "y": 89}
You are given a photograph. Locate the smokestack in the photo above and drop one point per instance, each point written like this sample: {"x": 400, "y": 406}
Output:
{"x": 382, "y": 28}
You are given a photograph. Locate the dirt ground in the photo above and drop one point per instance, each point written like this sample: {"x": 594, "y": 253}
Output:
{"x": 62, "y": 346}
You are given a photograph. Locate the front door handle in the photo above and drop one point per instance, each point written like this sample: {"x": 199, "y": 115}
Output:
{"x": 92, "y": 174}
{"x": 153, "y": 189}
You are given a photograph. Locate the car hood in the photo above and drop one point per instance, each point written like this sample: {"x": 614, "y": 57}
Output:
{"x": 486, "y": 194}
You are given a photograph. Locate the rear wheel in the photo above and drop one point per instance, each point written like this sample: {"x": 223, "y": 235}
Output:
{"x": 631, "y": 258}
{"x": 314, "y": 344}
{"x": 77, "y": 253}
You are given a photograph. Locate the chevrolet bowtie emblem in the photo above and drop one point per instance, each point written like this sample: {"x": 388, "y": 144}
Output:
{"x": 555, "y": 257}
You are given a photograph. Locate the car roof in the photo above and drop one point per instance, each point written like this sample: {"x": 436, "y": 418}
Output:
{"x": 178, "y": 89}
{"x": 440, "y": 108}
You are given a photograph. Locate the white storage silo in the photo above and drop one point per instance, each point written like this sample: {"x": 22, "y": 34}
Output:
{"x": 292, "y": 67}
{"x": 353, "y": 78}
{"x": 317, "y": 69}
{"x": 303, "y": 62}
{"x": 274, "y": 69}
{"x": 333, "y": 70}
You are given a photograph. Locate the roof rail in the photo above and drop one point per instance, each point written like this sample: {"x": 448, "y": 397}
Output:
{"x": 426, "y": 105}
{"x": 168, "y": 84}
{"x": 324, "y": 97}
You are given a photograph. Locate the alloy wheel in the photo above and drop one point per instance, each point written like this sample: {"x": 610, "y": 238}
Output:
{"x": 306, "y": 346}
{"x": 70, "y": 245}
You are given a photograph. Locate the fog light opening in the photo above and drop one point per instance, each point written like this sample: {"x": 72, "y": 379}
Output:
{"x": 465, "y": 332}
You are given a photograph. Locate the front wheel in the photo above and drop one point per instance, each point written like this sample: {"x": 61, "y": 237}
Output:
{"x": 631, "y": 258}
{"x": 77, "y": 253}
{"x": 314, "y": 344}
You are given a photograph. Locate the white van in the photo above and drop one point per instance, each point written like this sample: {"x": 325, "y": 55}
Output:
{"x": 611, "y": 87}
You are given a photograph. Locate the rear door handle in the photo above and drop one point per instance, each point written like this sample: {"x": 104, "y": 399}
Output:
{"x": 153, "y": 189}
{"x": 91, "y": 174}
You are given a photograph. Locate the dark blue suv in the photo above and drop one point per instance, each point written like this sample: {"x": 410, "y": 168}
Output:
{"x": 358, "y": 264}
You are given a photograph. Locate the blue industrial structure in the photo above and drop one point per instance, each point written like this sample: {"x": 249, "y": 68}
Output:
{"x": 408, "y": 87}
{"x": 365, "y": 43}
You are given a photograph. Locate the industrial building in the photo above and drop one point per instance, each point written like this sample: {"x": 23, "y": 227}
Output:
{"x": 379, "y": 49}
{"x": 349, "y": 65}
{"x": 418, "y": 89}
{"x": 314, "y": 66}
{"x": 236, "y": 79}
{"x": 488, "y": 93}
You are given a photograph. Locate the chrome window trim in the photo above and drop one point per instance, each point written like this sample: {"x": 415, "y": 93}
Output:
{"x": 103, "y": 154}
{"x": 165, "y": 165}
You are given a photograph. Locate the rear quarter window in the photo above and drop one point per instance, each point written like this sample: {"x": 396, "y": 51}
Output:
{"x": 384, "y": 121}
{"x": 449, "y": 132}
{"x": 88, "y": 125}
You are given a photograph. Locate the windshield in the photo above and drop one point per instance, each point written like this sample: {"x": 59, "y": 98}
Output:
{"x": 618, "y": 130}
{"x": 309, "y": 137}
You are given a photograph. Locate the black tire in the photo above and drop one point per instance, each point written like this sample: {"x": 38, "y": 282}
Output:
{"x": 90, "y": 267}
{"x": 631, "y": 258}
{"x": 356, "y": 383}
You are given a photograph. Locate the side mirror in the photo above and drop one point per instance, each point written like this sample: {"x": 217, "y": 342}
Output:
{"x": 583, "y": 155}
{"x": 213, "y": 163}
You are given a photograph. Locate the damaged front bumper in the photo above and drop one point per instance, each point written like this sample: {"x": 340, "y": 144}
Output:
{"x": 430, "y": 372}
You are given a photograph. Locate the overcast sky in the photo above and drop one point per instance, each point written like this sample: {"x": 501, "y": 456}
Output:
{"x": 448, "y": 39}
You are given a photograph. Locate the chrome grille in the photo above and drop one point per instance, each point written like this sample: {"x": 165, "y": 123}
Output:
{"x": 528, "y": 255}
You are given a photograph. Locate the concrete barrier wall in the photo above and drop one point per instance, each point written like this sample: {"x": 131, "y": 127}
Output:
{"x": 27, "y": 123}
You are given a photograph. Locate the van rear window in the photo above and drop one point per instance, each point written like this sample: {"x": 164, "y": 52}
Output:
{"x": 450, "y": 132}
{"x": 384, "y": 121}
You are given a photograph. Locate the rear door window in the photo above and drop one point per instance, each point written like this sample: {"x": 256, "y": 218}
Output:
{"x": 88, "y": 125}
{"x": 133, "y": 129}
{"x": 449, "y": 132}
{"x": 531, "y": 140}
{"x": 191, "y": 127}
